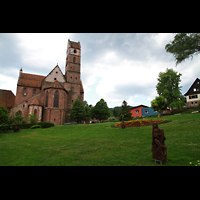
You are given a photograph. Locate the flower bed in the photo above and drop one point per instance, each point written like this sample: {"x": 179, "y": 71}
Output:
{"x": 138, "y": 123}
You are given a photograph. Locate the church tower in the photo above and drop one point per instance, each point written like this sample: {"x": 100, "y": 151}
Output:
{"x": 73, "y": 62}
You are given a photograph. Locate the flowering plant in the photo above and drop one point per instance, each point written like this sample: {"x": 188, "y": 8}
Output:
{"x": 138, "y": 123}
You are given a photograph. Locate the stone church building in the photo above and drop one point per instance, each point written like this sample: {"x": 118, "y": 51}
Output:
{"x": 51, "y": 97}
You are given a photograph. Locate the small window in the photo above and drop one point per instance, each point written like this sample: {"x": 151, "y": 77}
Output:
{"x": 24, "y": 91}
{"x": 74, "y": 50}
{"x": 196, "y": 103}
{"x": 192, "y": 103}
{"x": 35, "y": 112}
{"x": 34, "y": 92}
{"x": 56, "y": 72}
{"x": 71, "y": 77}
{"x": 137, "y": 111}
{"x": 76, "y": 78}
{"x": 197, "y": 82}
{"x": 195, "y": 89}
{"x": 146, "y": 111}
{"x": 74, "y": 60}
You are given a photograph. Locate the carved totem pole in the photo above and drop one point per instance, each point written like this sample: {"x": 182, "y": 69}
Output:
{"x": 159, "y": 150}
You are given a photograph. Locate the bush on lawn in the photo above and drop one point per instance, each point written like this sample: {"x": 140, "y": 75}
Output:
{"x": 35, "y": 126}
{"x": 45, "y": 124}
{"x": 16, "y": 129}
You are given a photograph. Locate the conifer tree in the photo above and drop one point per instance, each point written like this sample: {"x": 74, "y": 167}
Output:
{"x": 125, "y": 112}
{"x": 78, "y": 112}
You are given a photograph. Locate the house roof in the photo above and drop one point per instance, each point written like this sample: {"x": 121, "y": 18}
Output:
{"x": 139, "y": 106}
{"x": 196, "y": 85}
{"x": 64, "y": 79}
{"x": 34, "y": 102}
{"x": 30, "y": 80}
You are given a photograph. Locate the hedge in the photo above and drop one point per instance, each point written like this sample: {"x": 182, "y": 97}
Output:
{"x": 35, "y": 126}
{"x": 45, "y": 124}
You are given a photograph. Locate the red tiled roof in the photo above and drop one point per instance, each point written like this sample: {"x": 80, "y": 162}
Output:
{"x": 30, "y": 80}
{"x": 34, "y": 102}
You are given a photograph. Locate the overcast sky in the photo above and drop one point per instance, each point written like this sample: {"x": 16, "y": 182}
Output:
{"x": 114, "y": 66}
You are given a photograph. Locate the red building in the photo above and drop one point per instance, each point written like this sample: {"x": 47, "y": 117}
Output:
{"x": 142, "y": 111}
{"x": 7, "y": 99}
{"x": 137, "y": 110}
{"x": 51, "y": 97}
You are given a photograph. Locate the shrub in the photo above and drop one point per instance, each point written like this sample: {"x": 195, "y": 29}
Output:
{"x": 16, "y": 129}
{"x": 35, "y": 126}
{"x": 23, "y": 126}
{"x": 33, "y": 119}
{"x": 45, "y": 124}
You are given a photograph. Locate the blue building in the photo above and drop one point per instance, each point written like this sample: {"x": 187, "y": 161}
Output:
{"x": 150, "y": 111}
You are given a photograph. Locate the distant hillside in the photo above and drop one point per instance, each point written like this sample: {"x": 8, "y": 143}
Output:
{"x": 120, "y": 107}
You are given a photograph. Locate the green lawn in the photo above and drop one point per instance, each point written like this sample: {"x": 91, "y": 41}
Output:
{"x": 102, "y": 145}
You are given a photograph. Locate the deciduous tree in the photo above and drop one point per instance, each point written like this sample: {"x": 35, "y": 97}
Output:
{"x": 168, "y": 86}
{"x": 101, "y": 110}
{"x": 3, "y": 115}
{"x": 159, "y": 104}
{"x": 184, "y": 46}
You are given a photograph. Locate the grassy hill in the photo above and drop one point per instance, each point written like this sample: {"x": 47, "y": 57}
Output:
{"x": 100, "y": 144}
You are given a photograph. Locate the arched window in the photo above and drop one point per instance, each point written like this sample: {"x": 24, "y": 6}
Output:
{"x": 74, "y": 59}
{"x": 47, "y": 96}
{"x": 56, "y": 99}
{"x": 35, "y": 112}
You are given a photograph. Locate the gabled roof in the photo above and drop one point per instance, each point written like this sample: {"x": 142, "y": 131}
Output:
{"x": 196, "y": 85}
{"x": 55, "y": 73}
{"x": 139, "y": 106}
{"x": 30, "y": 80}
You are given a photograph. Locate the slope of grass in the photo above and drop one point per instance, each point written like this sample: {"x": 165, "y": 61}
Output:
{"x": 102, "y": 145}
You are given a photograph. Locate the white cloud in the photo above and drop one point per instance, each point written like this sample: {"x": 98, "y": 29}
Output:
{"x": 115, "y": 67}
{"x": 43, "y": 50}
{"x": 8, "y": 83}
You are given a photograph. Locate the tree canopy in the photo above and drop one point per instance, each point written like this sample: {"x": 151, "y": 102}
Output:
{"x": 159, "y": 104}
{"x": 101, "y": 110}
{"x": 125, "y": 112}
{"x": 3, "y": 115}
{"x": 168, "y": 87}
{"x": 78, "y": 111}
{"x": 184, "y": 46}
